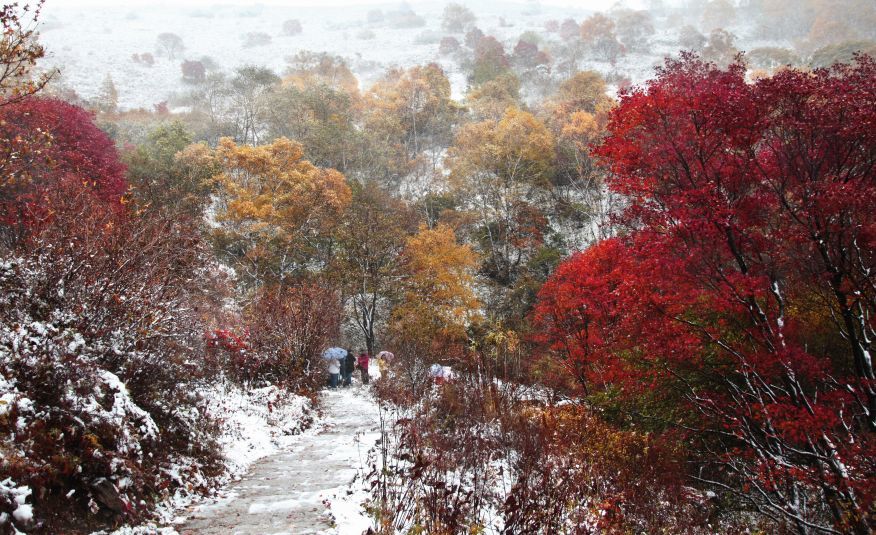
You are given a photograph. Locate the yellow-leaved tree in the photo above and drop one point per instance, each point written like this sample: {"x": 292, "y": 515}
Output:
{"x": 585, "y": 91}
{"x": 491, "y": 99}
{"x": 501, "y": 168}
{"x": 274, "y": 210}
{"x": 439, "y": 301}
{"x": 410, "y": 115}
{"x": 578, "y": 115}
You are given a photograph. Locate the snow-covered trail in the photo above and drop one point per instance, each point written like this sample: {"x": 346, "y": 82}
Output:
{"x": 315, "y": 487}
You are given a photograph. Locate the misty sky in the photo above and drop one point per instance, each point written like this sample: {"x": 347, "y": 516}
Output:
{"x": 592, "y": 4}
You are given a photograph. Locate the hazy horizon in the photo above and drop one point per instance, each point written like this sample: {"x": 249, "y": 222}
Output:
{"x": 587, "y": 4}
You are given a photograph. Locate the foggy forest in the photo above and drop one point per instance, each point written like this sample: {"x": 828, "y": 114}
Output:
{"x": 438, "y": 267}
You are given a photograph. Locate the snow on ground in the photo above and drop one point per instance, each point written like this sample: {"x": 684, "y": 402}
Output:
{"x": 89, "y": 43}
{"x": 254, "y": 424}
{"x": 317, "y": 485}
{"x": 23, "y": 512}
{"x": 257, "y": 423}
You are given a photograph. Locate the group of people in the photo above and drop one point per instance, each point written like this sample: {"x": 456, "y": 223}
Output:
{"x": 341, "y": 370}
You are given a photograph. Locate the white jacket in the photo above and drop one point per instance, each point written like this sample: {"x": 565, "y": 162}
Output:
{"x": 334, "y": 366}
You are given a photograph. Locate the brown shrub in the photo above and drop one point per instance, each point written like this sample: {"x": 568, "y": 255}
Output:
{"x": 100, "y": 348}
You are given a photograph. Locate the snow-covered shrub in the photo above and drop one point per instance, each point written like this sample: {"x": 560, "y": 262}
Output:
{"x": 428, "y": 37}
{"x": 482, "y": 454}
{"x": 14, "y": 498}
{"x": 448, "y": 45}
{"x": 442, "y": 470}
{"x": 100, "y": 343}
{"x": 145, "y": 58}
{"x": 193, "y": 72}
{"x": 405, "y": 18}
{"x": 292, "y": 27}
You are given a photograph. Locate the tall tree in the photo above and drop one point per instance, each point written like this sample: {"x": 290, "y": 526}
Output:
{"x": 274, "y": 210}
{"x": 311, "y": 68}
{"x": 410, "y": 113}
{"x": 598, "y": 34}
{"x": 490, "y": 61}
{"x": 439, "y": 302}
{"x": 170, "y": 45}
{"x": 634, "y": 28}
{"x": 577, "y": 116}
{"x": 742, "y": 296}
{"x": 499, "y": 167}
{"x": 322, "y": 118}
{"x": 248, "y": 91}
{"x": 367, "y": 261}
{"x": 490, "y": 100}
{"x": 457, "y": 18}
{"x": 168, "y": 173}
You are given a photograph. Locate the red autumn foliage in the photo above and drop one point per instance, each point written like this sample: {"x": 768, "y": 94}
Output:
{"x": 741, "y": 300}
{"x": 228, "y": 352}
{"x": 448, "y": 45}
{"x": 41, "y": 142}
{"x": 569, "y": 30}
{"x": 578, "y": 307}
{"x": 489, "y": 49}
{"x": 528, "y": 55}
{"x": 568, "y": 455}
{"x": 472, "y": 451}
{"x": 193, "y": 72}
{"x": 77, "y": 145}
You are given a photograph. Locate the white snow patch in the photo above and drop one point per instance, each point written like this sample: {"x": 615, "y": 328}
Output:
{"x": 254, "y": 424}
{"x": 23, "y": 513}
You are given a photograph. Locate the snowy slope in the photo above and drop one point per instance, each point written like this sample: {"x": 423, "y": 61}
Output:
{"x": 89, "y": 43}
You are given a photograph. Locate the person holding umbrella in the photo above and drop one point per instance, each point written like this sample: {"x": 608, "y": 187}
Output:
{"x": 334, "y": 355}
{"x": 383, "y": 360}
{"x": 334, "y": 366}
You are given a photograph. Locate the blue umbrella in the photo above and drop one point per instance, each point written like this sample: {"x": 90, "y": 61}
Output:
{"x": 334, "y": 353}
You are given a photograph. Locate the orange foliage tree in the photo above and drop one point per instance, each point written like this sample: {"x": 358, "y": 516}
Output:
{"x": 274, "y": 209}
{"x": 577, "y": 115}
{"x": 411, "y": 113}
{"x": 439, "y": 301}
{"x": 498, "y": 166}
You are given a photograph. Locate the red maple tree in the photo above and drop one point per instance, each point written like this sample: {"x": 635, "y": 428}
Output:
{"x": 741, "y": 293}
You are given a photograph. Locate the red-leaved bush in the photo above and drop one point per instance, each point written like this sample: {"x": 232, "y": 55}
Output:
{"x": 474, "y": 453}
{"x": 738, "y": 306}
{"x": 43, "y": 141}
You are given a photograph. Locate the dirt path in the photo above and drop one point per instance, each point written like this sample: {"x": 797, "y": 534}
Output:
{"x": 291, "y": 492}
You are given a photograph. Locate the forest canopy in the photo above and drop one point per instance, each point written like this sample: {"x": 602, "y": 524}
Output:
{"x": 607, "y": 301}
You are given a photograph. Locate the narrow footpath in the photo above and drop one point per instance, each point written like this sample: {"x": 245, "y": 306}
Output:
{"x": 314, "y": 488}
